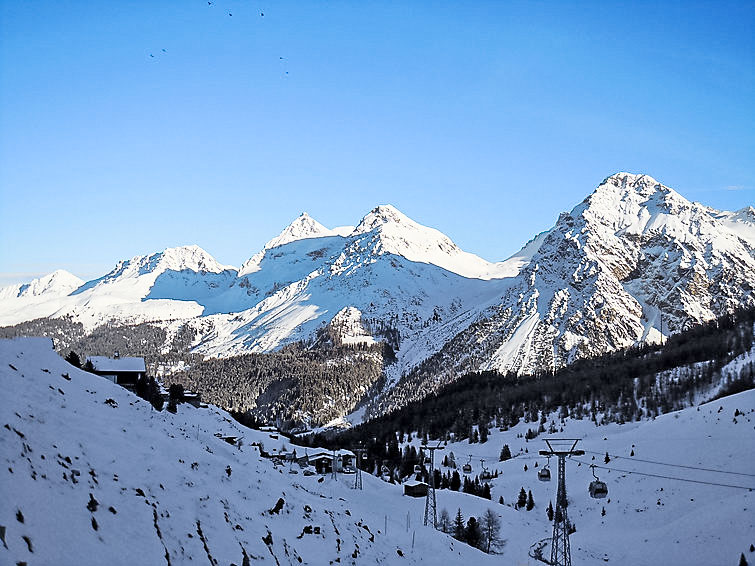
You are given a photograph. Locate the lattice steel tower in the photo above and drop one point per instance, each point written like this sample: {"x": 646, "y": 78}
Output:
{"x": 430, "y": 506}
{"x": 358, "y": 476}
{"x": 560, "y": 549}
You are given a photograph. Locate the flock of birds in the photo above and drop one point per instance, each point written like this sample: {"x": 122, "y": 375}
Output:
{"x": 262, "y": 14}
{"x": 230, "y": 14}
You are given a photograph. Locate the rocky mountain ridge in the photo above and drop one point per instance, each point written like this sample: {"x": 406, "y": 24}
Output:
{"x": 633, "y": 262}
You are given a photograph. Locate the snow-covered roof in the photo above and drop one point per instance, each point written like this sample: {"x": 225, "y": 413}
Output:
{"x": 313, "y": 452}
{"x": 103, "y": 363}
{"x": 414, "y": 483}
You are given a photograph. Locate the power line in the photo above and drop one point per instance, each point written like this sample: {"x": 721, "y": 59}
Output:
{"x": 749, "y": 488}
{"x": 633, "y": 459}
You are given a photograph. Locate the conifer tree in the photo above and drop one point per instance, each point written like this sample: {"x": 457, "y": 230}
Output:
{"x": 455, "y": 481}
{"x": 522, "y": 499}
{"x": 505, "y": 453}
{"x": 458, "y": 527}
{"x": 473, "y": 533}
{"x": 73, "y": 359}
{"x": 549, "y": 511}
{"x": 530, "y": 501}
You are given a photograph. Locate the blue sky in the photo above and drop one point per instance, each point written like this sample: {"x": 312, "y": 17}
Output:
{"x": 481, "y": 119}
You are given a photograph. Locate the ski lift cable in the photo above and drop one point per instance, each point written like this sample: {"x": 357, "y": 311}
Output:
{"x": 633, "y": 459}
{"x": 748, "y": 488}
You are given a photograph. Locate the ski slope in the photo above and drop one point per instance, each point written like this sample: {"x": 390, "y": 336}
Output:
{"x": 702, "y": 514}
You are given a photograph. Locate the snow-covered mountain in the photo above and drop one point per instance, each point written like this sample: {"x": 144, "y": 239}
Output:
{"x": 56, "y": 284}
{"x": 634, "y": 261}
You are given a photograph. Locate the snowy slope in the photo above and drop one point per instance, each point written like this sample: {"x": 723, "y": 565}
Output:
{"x": 91, "y": 475}
{"x": 687, "y": 495}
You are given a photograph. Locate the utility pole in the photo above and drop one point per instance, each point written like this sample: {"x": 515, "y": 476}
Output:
{"x": 430, "y": 506}
{"x": 333, "y": 472}
{"x": 358, "y": 477}
{"x": 560, "y": 549}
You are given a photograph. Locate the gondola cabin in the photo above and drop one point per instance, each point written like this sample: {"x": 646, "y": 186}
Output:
{"x": 598, "y": 489}
{"x": 544, "y": 475}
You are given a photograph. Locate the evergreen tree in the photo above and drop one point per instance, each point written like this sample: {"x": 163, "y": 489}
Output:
{"x": 483, "y": 433}
{"x": 522, "y": 499}
{"x": 473, "y": 533}
{"x": 142, "y": 387}
{"x": 88, "y": 366}
{"x": 742, "y": 560}
{"x": 455, "y": 481}
{"x": 458, "y": 526}
{"x": 153, "y": 391}
{"x": 500, "y": 500}
{"x": 549, "y": 511}
{"x": 176, "y": 392}
{"x": 486, "y": 490}
{"x": 73, "y": 359}
{"x": 530, "y": 501}
{"x": 505, "y": 453}
{"x": 607, "y": 458}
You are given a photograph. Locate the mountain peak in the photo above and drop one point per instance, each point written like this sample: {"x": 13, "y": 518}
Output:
{"x": 59, "y": 282}
{"x": 303, "y": 227}
{"x": 382, "y": 215}
{"x": 185, "y": 257}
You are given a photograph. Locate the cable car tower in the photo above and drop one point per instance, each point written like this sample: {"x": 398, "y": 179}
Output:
{"x": 561, "y": 448}
{"x": 430, "y": 506}
{"x": 361, "y": 456}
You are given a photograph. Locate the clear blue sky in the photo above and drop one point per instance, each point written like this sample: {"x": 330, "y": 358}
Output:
{"x": 481, "y": 119}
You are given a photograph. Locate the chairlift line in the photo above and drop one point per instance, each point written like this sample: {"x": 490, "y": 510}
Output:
{"x": 633, "y": 459}
{"x": 749, "y": 488}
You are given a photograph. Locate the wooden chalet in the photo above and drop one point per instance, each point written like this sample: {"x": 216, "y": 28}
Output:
{"x": 123, "y": 371}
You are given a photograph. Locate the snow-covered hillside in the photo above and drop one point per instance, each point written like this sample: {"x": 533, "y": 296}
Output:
{"x": 91, "y": 474}
{"x": 634, "y": 261}
{"x": 681, "y": 486}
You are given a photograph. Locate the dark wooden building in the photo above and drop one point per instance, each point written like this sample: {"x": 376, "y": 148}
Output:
{"x": 414, "y": 488}
{"x": 123, "y": 371}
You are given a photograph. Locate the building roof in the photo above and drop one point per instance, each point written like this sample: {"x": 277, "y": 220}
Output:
{"x": 117, "y": 365}
{"x": 316, "y": 452}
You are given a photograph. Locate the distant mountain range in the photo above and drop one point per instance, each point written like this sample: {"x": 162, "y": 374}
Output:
{"x": 632, "y": 262}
